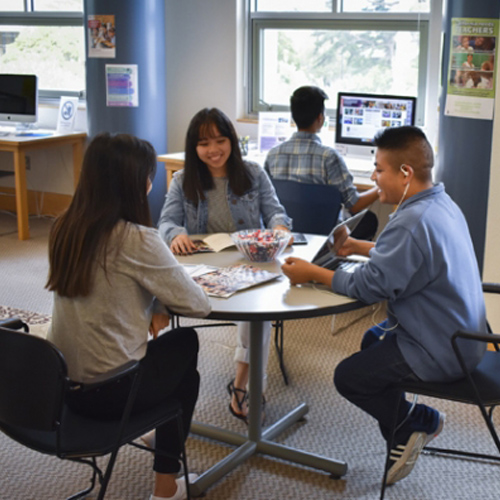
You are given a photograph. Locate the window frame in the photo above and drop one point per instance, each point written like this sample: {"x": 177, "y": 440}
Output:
{"x": 370, "y": 21}
{"x": 45, "y": 18}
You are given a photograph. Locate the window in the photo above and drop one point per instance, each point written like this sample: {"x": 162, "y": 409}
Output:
{"x": 343, "y": 6}
{"x": 46, "y": 38}
{"x": 376, "y": 46}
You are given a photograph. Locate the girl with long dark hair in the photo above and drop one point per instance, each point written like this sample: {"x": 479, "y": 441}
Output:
{"x": 218, "y": 191}
{"x": 113, "y": 279}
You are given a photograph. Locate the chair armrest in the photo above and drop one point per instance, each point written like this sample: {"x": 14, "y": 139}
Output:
{"x": 481, "y": 337}
{"x": 491, "y": 287}
{"x": 130, "y": 368}
{"x": 478, "y": 337}
{"x": 14, "y": 324}
{"x": 485, "y": 338}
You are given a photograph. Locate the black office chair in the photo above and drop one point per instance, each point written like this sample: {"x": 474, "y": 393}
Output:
{"x": 314, "y": 209}
{"x": 481, "y": 387}
{"x": 34, "y": 387}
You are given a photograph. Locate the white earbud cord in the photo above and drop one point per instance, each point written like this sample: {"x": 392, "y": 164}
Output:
{"x": 376, "y": 309}
{"x": 403, "y": 197}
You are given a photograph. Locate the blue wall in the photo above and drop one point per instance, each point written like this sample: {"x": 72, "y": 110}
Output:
{"x": 140, "y": 39}
{"x": 464, "y": 152}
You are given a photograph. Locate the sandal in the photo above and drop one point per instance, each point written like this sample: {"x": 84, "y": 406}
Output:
{"x": 149, "y": 439}
{"x": 241, "y": 397}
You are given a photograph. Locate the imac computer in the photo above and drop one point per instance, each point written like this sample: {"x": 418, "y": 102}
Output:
{"x": 361, "y": 116}
{"x": 18, "y": 100}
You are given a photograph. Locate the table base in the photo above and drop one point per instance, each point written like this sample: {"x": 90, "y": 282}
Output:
{"x": 247, "y": 448}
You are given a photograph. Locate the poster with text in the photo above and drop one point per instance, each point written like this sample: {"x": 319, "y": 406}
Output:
{"x": 121, "y": 85}
{"x": 274, "y": 128}
{"x": 102, "y": 36}
{"x": 471, "y": 75}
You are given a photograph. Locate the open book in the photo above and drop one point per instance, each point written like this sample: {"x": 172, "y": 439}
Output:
{"x": 226, "y": 281}
{"x": 214, "y": 243}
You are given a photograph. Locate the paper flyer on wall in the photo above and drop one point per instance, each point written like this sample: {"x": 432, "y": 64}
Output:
{"x": 121, "y": 85}
{"x": 274, "y": 128}
{"x": 101, "y": 36}
{"x": 471, "y": 75}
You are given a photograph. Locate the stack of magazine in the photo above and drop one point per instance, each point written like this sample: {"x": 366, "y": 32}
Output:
{"x": 225, "y": 281}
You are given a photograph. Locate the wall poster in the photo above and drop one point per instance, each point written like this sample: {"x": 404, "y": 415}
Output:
{"x": 102, "y": 36}
{"x": 274, "y": 128}
{"x": 471, "y": 75}
{"x": 121, "y": 85}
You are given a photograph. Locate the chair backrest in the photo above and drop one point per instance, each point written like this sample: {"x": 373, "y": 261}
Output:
{"x": 33, "y": 381}
{"x": 314, "y": 208}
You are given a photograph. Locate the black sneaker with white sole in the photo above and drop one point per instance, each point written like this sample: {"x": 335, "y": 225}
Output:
{"x": 403, "y": 457}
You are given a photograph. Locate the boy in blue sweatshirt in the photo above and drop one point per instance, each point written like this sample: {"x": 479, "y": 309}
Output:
{"x": 423, "y": 264}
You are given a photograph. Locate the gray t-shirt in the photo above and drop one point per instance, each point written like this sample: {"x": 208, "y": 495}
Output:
{"x": 110, "y": 326}
{"x": 220, "y": 219}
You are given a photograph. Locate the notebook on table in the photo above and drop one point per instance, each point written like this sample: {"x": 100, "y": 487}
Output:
{"x": 327, "y": 256}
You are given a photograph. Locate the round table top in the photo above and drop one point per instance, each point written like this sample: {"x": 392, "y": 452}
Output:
{"x": 277, "y": 299}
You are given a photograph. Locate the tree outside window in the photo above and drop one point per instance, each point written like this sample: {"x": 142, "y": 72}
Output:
{"x": 46, "y": 38}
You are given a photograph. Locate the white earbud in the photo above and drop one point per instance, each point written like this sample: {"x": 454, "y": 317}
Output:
{"x": 406, "y": 174}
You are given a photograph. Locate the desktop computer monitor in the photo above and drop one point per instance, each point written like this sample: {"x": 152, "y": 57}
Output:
{"x": 361, "y": 116}
{"x": 18, "y": 99}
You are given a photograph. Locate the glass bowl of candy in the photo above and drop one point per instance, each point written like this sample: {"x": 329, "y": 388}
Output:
{"x": 261, "y": 245}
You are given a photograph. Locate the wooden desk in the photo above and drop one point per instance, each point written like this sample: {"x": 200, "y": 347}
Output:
{"x": 270, "y": 301}
{"x": 19, "y": 145}
{"x": 175, "y": 161}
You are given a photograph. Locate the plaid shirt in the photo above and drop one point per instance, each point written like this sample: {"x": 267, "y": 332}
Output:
{"x": 304, "y": 159}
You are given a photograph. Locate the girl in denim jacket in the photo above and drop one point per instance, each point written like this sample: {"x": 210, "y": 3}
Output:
{"x": 218, "y": 191}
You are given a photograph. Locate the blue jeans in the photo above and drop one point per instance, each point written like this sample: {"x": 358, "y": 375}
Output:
{"x": 369, "y": 377}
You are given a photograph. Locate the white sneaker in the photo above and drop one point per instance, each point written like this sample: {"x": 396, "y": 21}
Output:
{"x": 403, "y": 457}
{"x": 181, "y": 493}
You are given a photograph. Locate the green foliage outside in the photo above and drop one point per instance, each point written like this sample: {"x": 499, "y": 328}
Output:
{"x": 357, "y": 60}
{"x": 55, "y": 54}
{"x": 362, "y": 61}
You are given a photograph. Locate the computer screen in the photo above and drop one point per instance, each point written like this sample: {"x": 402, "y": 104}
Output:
{"x": 361, "y": 116}
{"x": 18, "y": 98}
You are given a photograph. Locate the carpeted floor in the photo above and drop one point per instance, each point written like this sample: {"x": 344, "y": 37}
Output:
{"x": 24, "y": 265}
{"x": 333, "y": 427}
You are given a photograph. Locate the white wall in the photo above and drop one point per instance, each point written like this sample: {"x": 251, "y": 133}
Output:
{"x": 491, "y": 272}
{"x": 204, "y": 64}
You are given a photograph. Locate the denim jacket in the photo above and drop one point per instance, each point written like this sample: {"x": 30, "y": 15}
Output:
{"x": 258, "y": 207}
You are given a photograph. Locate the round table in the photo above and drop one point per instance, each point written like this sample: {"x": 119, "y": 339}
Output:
{"x": 274, "y": 300}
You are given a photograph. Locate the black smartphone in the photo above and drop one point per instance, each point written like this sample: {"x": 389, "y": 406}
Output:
{"x": 299, "y": 239}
